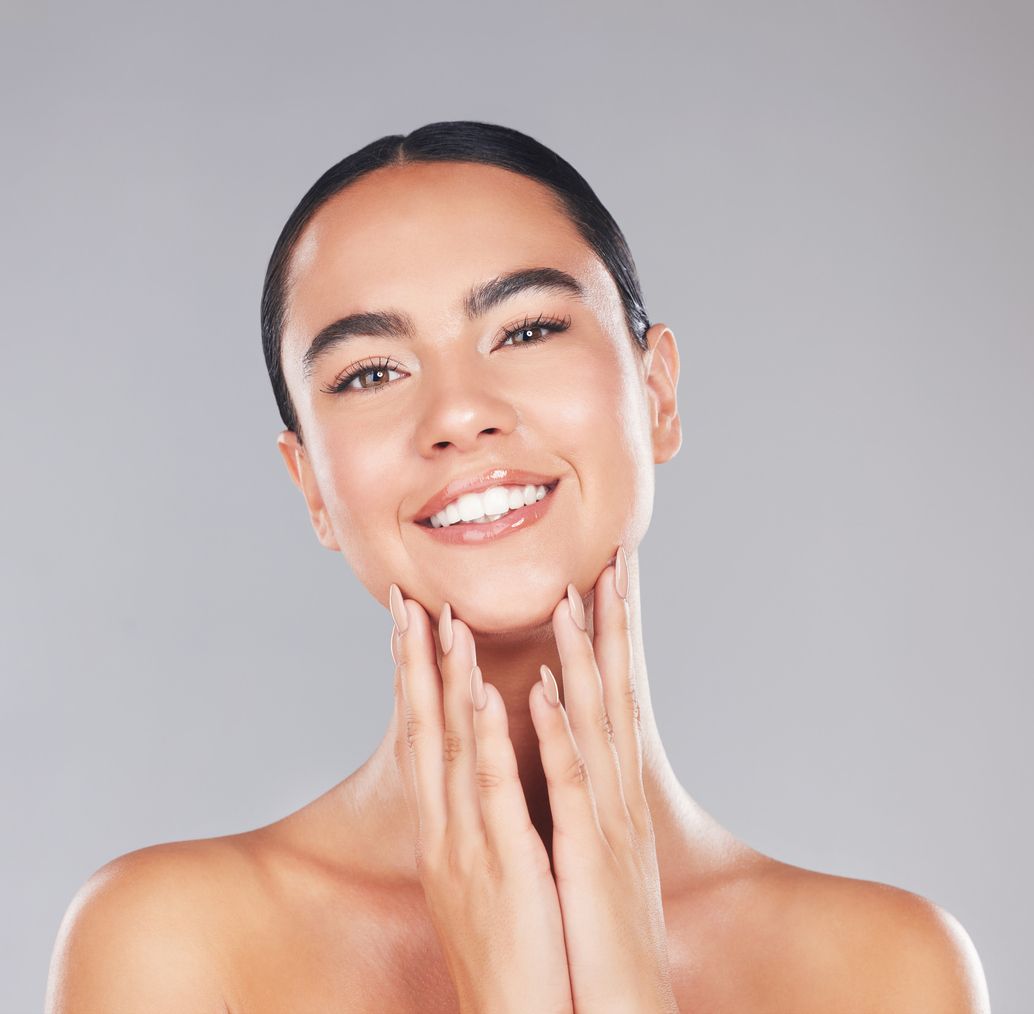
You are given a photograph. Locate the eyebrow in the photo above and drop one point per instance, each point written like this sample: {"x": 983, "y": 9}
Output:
{"x": 481, "y": 298}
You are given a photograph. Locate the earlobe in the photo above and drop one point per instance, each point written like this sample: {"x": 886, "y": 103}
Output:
{"x": 662, "y": 379}
{"x": 300, "y": 469}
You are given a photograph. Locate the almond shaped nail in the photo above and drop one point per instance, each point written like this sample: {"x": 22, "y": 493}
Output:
{"x": 549, "y": 684}
{"x": 574, "y": 600}
{"x": 477, "y": 688}
{"x": 621, "y": 573}
{"x": 445, "y": 628}
{"x": 398, "y": 608}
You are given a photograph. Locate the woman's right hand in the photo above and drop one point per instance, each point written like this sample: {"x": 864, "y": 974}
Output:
{"x": 484, "y": 869}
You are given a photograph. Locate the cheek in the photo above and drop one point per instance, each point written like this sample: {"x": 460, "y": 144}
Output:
{"x": 356, "y": 482}
{"x": 602, "y": 431}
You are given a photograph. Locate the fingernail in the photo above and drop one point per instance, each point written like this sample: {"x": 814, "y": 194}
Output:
{"x": 445, "y": 628}
{"x": 574, "y": 600}
{"x": 621, "y": 573}
{"x": 394, "y": 653}
{"x": 477, "y": 688}
{"x": 398, "y": 608}
{"x": 549, "y": 685}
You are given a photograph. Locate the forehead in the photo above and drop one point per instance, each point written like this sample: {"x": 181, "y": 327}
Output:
{"x": 414, "y": 238}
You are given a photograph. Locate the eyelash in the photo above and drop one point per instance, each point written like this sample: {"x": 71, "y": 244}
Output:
{"x": 551, "y": 324}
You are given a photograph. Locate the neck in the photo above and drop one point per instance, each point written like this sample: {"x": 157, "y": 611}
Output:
{"x": 513, "y": 669}
{"x": 688, "y": 839}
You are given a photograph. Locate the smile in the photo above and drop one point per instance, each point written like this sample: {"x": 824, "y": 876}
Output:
{"x": 480, "y": 517}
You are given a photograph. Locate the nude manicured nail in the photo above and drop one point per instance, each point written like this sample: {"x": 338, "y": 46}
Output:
{"x": 621, "y": 573}
{"x": 549, "y": 685}
{"x": 477, "y": 688}
{"x": 445, "y": 628}
{"x": 398, "y": 608}
{"x": 574, "y": 600}
{"x": 394, "y": 652}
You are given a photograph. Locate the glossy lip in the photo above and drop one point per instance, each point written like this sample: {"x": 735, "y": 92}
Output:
{"x": 478, "y": 484}
{"x": 479, "y": 532}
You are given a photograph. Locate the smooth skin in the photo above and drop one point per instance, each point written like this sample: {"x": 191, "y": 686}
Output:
{"x": 329, "y": 908}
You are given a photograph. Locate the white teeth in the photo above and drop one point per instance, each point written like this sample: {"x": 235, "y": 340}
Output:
{"x": 489, "y": 505}
{"x": 496, "y": 500}
{"x": 470, "y": 506}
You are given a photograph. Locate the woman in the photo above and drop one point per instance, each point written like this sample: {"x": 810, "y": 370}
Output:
{"x": 518, "y": 840}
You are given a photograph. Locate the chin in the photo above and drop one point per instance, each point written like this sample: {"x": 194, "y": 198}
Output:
{"x": 509, "y": 605}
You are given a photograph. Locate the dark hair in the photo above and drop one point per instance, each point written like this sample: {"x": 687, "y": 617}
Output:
{"x": 450, "y": 141}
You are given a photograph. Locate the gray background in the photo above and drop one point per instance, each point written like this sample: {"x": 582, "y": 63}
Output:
{"x": 830, "y": 204}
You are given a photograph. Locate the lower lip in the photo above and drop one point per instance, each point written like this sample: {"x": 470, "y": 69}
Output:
{"x": 474, "y": 533}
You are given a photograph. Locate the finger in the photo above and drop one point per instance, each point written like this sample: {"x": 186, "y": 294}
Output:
{"x": 587, "y": 714}
{"x": 460, "y": 748}
{"x": 403, "y": 755}
{"x": 421, "y": 687}
{"x": 571, "y": 798}
{"x": 503, "y": 806}
{"x": 612, "y": 646}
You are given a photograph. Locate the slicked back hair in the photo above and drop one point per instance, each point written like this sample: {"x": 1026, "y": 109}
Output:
{"x": 450, "y": 141}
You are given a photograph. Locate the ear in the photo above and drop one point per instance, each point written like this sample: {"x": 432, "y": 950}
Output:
{"x": 661, "y": 363}
{"x": 297, "y": 460}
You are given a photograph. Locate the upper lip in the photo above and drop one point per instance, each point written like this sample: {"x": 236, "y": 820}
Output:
{"x": 478, "y": 483}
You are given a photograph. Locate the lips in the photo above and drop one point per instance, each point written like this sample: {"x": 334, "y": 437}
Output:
{"x": 478, "y": 483}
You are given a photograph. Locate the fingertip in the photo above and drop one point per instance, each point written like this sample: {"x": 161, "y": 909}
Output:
{"x": 478, "y": 690}
{"x": 464, "y": 631}
{"x": 536, "y": 697}
{"x": 544, "y": 713}
{"x": 492, "y": 719}
{"x": 445, "y": 628}
{"x": 549, "y": 685}
{"x": 621, "y": 573}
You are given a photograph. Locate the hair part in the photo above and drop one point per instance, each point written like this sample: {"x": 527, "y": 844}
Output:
{"x": 449, "y": 141}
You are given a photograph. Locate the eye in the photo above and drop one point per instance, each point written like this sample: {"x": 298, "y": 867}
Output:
{"x": 377, "y": 368}
{"x": 526, "y": 334}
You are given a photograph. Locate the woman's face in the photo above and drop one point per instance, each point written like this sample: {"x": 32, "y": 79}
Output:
{"x": 457, "y": 397}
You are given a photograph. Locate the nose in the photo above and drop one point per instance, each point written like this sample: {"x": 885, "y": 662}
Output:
{"x": 460, "y": 406}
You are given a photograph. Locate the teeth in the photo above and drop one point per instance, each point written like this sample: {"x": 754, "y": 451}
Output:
{"x": 489, "y": 505}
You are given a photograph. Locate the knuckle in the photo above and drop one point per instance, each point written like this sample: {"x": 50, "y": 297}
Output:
{"x": 576, "y": 772}
{"x": 413, "y": 729}
{"x": 452, "y": 746}
{"x": 487, "y": 778}
{"x": 633, "y": 702}
{"x": 625, "y": 620}
{"x": 605, "y": 725}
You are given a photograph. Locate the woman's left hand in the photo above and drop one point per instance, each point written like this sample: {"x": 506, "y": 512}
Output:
{"x": 604, "y": 854}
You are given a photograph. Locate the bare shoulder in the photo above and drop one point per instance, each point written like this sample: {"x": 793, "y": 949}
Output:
{"x": 148, "y": 931}
{"x": 860, "y": 945}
